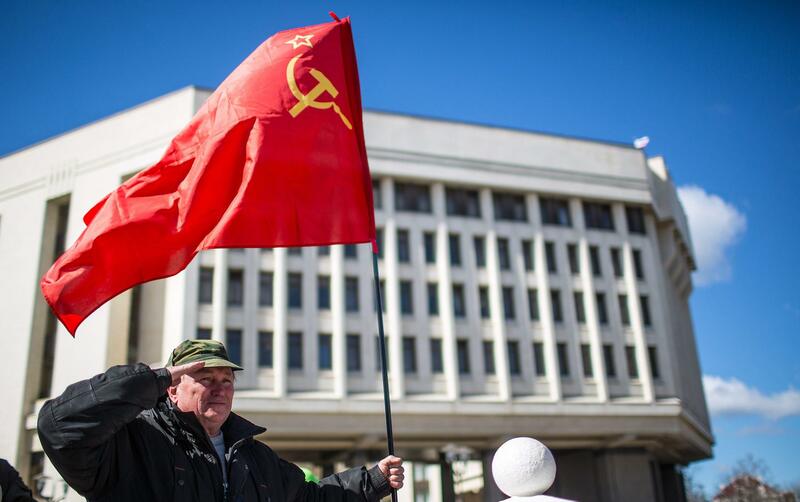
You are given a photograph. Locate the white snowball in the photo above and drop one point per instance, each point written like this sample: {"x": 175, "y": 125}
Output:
{"x": 523, "y": 467}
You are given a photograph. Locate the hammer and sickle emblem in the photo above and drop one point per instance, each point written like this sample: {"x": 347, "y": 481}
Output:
{"x": 310, "y": 99}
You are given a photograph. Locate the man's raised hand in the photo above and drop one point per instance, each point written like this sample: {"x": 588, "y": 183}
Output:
{"x": 184, "y": 369}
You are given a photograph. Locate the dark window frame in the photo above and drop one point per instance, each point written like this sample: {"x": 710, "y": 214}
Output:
{"x": 412, "y": 197}
{"x": 462, "y": 202}
{"x": 598, "y": 216}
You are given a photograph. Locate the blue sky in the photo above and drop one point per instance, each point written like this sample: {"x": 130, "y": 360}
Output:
{"x": 716, "y": 85}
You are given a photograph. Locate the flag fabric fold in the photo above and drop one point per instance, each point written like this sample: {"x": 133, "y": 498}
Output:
{"x": 274, "y": 158}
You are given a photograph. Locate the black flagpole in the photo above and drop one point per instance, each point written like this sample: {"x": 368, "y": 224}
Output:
{"x": 387, "y": 405}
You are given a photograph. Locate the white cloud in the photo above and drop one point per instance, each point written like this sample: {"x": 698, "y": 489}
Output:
{"x": 715, "y": 226}
{"x": 732, "y": 397}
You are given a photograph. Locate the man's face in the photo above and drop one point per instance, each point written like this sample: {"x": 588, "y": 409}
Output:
{"x": 208, "y": 393}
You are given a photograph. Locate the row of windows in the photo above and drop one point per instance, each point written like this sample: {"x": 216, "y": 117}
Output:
{"x": 235, "y": 292}
{"x": 504, "y": 254}
{"x": 295, "y": 298}
{"x": 414, "y": 197}
{"x": 410, "y": 366}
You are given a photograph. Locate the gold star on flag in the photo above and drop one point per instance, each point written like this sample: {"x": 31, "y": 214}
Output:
{"x": 299, "y": 40}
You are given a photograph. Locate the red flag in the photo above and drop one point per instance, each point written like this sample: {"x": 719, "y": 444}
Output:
{"x": 275, "y": 157}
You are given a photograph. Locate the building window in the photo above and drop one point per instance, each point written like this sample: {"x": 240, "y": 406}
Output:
{"x": 406, "y": 298}
{"x": 233, "y": 344}
{"x": 295, "y": 350}
{"x": 377, "y": 196}
{"x": 645, "y": 304}
{"x": 637, "y": 264}
{"x": 436, "y": 356}
{"x": 527, "y": 254}
{"x": 379, "y": 241}
{"x": 295, "y": 251}
{"x": 265, "y": 289}
{"x": 608, "y": 358}
{"x": 205, "y": 290}
{"x": 652, "y": 355}
{"x": 409, "y": 354}
{"x": 508, "y": 302}
{"x": 479, "y": 243}
{"x": 488, "y": 357}
{"x": 455, "y": 249}
{"x": 594, "y": 258}
{"x": 623, "y": 310}
{"x": 353, "y": 353}
{"x": 513, "y": 357}
{"x": 430, "y": 247}
{"x": 483, "y": 297}
{"x": 563, "y": 359}
{"x": 378, "y": 354}
{"x": 203, "y": 334}
{"x": 325, "y": 358}
{"x": 459, "y": 304}
{"x": 265, "y": 349}
{"x": 572, "y": 255}
{"x": 323, "y": 251}
{"x": 533, "y": 304}
{"x": 403, "y": 247}
{"x": 635, "y": 219}
{"x": 350, "y": 252}
{"x": 503, "y": 254}
{"x": 462, "y": 350}
{"x": 598, "y": 216}
{"x": 351, "y": 294}
{"x": 630, "y": 358}
{"x": 509, "y": 207}
{"x": 616, "y": 263}
{"x": 323, "y": 292}
{"x": 433, "y": 299}
{"x": 412, "y": 197}
{"x": 295, "y": 290}
{"x": 463, "y": 202}
{"x": 586, "y": 361}
{"x": 555, "y": 299}
{"x": 580, "y": 312}
{"x": 602, "y": 310}
{"x": 555, "y": 212}
{"x": 550, "y": 255}
{"x": 538, "y": 359}
{"x": 235, "y": 288}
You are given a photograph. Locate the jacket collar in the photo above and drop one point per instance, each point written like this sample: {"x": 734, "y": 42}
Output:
{"x": 234, "y": 429}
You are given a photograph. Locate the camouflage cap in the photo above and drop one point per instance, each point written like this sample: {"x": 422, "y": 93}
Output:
{"x": 211, "y": 352}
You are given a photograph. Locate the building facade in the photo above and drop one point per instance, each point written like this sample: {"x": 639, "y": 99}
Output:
{"x": 533, "y": 285}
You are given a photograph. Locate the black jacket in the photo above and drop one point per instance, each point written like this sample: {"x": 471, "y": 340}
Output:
{"x": 115, "y": 437}
{"x": 12, "y": 489}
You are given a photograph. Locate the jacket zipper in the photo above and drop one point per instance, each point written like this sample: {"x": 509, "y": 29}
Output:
{"x": 228, "y": 459}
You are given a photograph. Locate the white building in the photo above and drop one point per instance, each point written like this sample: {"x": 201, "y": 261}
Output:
{"x": 534, "y": 285}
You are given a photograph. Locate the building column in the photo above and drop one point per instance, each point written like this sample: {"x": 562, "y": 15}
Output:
{"x": 252, "y": 261}
{"x": 496, "y": 308}
{"x": 659, "y": 304}
{"x": 449, "y": 354}
{"x": 394, "y": 328}
{"x": 280, "y": 301}
{"x": 590, "y": 306}
{"x": 180, "y": 307}
{"x": 632, "y": 289}
{"x": 546, "y": 310}
{"x": 338, "y": 337}
{"x": 219, "y": 301}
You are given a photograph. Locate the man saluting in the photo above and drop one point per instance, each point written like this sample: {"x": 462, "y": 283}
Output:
{"x": 133, "y": 433}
